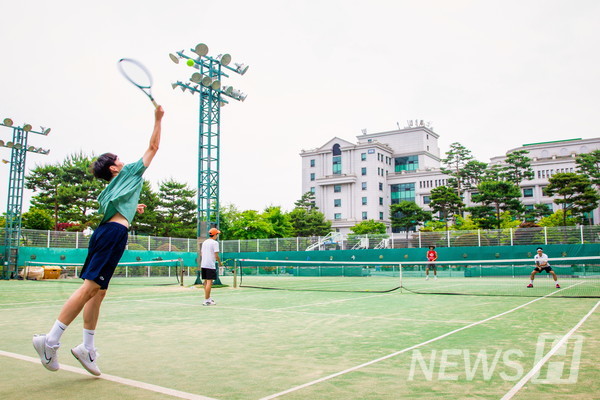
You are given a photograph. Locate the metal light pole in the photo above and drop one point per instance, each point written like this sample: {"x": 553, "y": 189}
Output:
{"x": 207, "y": 82}
{"x": 16, "y": 181}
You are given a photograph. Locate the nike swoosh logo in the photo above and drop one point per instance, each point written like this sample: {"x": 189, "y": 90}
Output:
{"x": 48, "y": 360}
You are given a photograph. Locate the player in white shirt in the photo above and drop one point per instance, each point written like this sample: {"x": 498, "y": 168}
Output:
{"x": 210, "y": 255}
{"x": 541, "y": 264}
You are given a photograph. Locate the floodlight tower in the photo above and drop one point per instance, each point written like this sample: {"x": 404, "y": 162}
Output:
{"x": 206, "y": 81}
{"x": 19, "y": 149}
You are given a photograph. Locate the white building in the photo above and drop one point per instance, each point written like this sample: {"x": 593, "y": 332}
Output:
{"x": 356, "y": 182}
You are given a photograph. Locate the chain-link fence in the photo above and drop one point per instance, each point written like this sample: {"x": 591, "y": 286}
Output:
{"x": 477, "y": 238}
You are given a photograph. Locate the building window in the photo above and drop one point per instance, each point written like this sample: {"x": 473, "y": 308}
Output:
{"x": 381, "y": 216}
{"x": 337, "y": 202}
{"x": 380, "y": 186}
{"x": 426, "y": 199}
{"x": 408, "y": 163}
{"x": 312, "y": 177}
{"x": 364, "y": 201}
{"x": 312, "y": 189}
{"x": 528, "y": 192}
{"x": 363, "y": 171}
{"x": 337, "y": 216}
{"x": 364, "y": 215}
{"x": 364, "y": 185}
{"x": 337, "y": 188}
{"x": 402, "y": 192}
{"x": 381, "y": 201}
{"x": 337, "y": 165}
{"x": 363, "y": 156}
{"x": 312, "y": 162}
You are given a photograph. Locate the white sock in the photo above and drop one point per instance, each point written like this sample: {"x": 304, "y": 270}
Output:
{"x": 53, "y": 337}
{"x": 531, "y": 281}
{"x": 88, "y": 339}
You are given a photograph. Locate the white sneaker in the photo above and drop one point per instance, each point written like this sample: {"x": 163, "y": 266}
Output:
{"x": 47, "y": 353}
{"x": 87, "y": 358}
{"x": 435, "y": 278}
{"x": 209, "y": 302}
{"x": 427, "y": 278}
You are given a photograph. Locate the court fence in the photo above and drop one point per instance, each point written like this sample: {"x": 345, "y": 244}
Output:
{"x": 335, "y": 240}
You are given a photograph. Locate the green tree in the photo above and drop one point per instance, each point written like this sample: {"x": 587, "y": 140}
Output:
{"x": 307, "y": 201}
{"x": 79, "y": 189}
{"x": 539, "y": 211}
{"x": 558, "y": 218}
{"x": 456, "y": 159}
{"x": 147, "y": 222}
{"x": 407, "y": 214}
{"x": 307, "y": 223}
{"x": 251, "y": 225}
{"x": 227, "y": 216}
{"x": 473, "y": 173}
{"x": 37, "y": 218}
{"x": 499, "y": 196}
{"x": 176, "y": 210}
{"x": 280, "y": 221}
{"x": 68, "y": 190}
{"x": 517, "y": 168}
{"x": 369, "y": 227}
{"x": 588, "y": 164}
{"x": 445, "y": 202}
{"x": 575, "y": 194}
{"x": 45, "y": 181}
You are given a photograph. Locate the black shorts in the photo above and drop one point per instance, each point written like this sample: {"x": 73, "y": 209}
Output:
{"x": 106, "y": 248}
{"x": 540, "y": 269}
{"x": 432, "y": 266}
{"x": 209, "y": 273}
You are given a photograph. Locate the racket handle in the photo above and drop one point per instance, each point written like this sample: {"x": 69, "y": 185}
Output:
{"x": 155, "y": 104}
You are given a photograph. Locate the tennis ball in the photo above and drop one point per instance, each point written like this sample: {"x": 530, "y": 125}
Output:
{"x": 190, "y": 63}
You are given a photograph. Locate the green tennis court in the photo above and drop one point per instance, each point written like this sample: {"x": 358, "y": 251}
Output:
{"x": 158, "y": 342}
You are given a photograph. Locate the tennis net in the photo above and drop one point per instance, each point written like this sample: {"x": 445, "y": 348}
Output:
{"x": 576, "y": 276}
{"x": 155, "y": 272}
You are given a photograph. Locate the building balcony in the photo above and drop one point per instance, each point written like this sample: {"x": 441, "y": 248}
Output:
{"x": 337, "y": 179}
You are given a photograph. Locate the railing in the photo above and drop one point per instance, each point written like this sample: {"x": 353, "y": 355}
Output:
{"x": 477, "y": 238}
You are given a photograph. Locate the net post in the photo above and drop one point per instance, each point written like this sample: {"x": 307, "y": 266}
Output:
{"x": 235, "y": 273}
{"x": 182, "y": 267}
{"x": 400, "y": 274}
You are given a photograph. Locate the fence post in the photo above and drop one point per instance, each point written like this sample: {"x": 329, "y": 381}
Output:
{"x": 511, "y": 236}
{"x": 479, "y": 237}
{"x": 149, "y": 243}
{"x": 277, "y": 244}
{"x": 76, "y": 240}
{"x": 297, "y": 243}
{"x": 48, "y": 239}
{"x": 448, "y": 238}
{"x": 420, "y": 239}
{"x": 581, "y": 230}
{"x": 169, "y": 243}
{"x": 239, "y": 246}
{"x": 545, "y": 235}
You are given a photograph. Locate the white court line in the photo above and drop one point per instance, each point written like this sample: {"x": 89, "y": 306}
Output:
{"x": 536, "y": 368}
{"x": 352, "y": 369}
{"x": 116, "y": 379}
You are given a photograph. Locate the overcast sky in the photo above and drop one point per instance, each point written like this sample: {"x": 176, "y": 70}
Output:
{"x": 491, "y": 75}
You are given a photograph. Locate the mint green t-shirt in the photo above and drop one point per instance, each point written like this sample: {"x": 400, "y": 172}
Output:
{"x": 123, "y": 192}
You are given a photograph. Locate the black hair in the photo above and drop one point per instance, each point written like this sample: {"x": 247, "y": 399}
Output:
{"x": 101, "y": 167}
{"x": 539, "y": 248}
{"x": 432, "y": 247}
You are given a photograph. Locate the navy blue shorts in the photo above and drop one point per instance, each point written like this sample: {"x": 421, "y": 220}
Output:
{"x": 106, "y": 247}
{"x": 209, "y": 273}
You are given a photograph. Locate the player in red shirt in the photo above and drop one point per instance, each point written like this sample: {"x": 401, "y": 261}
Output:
{"x": 431, "y": 256}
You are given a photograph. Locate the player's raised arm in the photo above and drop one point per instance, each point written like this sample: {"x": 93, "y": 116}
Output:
{"x": 155, "y": 138}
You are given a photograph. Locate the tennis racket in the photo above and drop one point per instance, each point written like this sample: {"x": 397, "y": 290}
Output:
{"x": 135, "y": 72}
